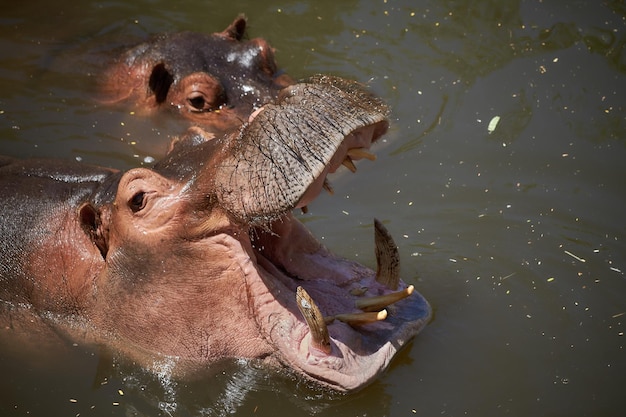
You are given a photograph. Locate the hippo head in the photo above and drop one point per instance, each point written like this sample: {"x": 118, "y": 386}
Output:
{"x": 204, "y": 259}
{"x": 214, "y": 80}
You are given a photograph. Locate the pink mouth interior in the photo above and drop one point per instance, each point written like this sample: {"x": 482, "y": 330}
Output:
{"x": 290, "y": 257}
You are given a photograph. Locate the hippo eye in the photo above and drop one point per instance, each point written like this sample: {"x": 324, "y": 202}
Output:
{"x": 202, "y": 93}
{"x": 137, "y": 202}
{"x": 198, "y": 103}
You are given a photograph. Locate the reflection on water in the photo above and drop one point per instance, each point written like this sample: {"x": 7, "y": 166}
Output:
{"x": 515, "y": 236}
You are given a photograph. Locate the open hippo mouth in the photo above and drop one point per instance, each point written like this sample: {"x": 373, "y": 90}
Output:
{"x": 335, "y": 320}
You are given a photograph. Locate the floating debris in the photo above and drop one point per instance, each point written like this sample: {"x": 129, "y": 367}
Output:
{"x": 578, "y": 258}
{"x": 493, "y": 124}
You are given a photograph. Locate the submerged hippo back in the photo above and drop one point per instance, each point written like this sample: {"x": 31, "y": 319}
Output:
{"x": 39, "y": 206}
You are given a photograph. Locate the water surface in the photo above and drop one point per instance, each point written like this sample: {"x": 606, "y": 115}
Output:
{"x": 516, "y": 236}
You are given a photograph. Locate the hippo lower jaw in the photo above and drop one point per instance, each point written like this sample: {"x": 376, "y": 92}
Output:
{"x": 289, "y": 259}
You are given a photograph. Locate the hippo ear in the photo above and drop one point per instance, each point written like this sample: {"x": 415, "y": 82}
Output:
{"x": 160, "y": 81}
{"x": 91, "y": 222}
{"x": 237, "y": 29}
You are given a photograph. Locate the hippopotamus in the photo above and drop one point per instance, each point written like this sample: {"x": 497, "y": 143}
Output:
{"x": 200, "y": 257}
{"x": 213, "y": 80}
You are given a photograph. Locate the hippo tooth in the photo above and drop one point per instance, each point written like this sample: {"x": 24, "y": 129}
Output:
{"x": 347, "y": 162}
{"x": 358, "y": 318}
{"x": 358, "y": 291}
{"x": 381, "y": 301}
{"x": 387, "y": 257}
{"x": 328, "y": 187}
{"x": 358, "y": 153}
{"x": 320, "y": 339}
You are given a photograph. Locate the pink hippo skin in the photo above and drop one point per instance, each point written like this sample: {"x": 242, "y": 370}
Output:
{"x": 213, "y": 80}
{"x": 200, "y": 259}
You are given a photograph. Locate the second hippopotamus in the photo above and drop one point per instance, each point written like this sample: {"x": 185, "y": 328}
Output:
{"x": 213, "y": 80}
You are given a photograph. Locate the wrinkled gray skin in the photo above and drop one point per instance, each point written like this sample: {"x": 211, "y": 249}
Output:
{"x": 199, "y": 258}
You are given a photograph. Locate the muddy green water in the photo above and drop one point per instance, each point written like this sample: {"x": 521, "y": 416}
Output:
{"x": 516, "y": 236}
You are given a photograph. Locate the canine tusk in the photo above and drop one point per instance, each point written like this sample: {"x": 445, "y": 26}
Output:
{"x": 320, "y": 339}
{"x": 387, "y": 257}
{"x": 358, "y": 153}
{"x": 381, "y": 301}
{"x": 347, "y": 162}
{"x": 328, "y": 187}
{"x": 358, "y": 318}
